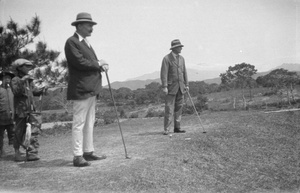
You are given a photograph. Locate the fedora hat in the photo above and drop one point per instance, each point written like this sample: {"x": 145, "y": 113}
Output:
{"x": 83, "y": 18}
{"x": 175, "y": 43}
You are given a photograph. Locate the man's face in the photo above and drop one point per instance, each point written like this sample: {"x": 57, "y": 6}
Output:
{"x": 177, "y": 50}
{"x": 85, "y": 29}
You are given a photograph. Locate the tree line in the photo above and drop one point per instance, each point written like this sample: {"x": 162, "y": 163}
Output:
{"x": 14, "y": 41}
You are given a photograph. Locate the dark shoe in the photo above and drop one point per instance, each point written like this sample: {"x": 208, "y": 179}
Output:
{"x": 179, "y": 131}
{"x": 2, "y": 153}
{"x": 91, "y": 157}
{"x": 166, "y": 133}
{"x": 19, "y": 158}
{"x": 79, "y": 161}
{"x": 32, "y": 157}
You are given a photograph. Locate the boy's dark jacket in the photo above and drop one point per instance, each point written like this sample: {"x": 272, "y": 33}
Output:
{"x": 23, "y": 96}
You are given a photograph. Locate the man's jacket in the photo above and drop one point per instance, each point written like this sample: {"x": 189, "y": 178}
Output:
{"x": 173, "y": 74}
{"x": 6, "y": 106}
{"x": 84, "y": 70}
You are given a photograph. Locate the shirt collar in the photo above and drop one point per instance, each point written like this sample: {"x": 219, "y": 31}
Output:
{"x": 175, "y": 55}
{"x": 80, "y": 37}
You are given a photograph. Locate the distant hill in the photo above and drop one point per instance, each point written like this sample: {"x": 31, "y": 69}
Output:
{"x": 194, "y": 75}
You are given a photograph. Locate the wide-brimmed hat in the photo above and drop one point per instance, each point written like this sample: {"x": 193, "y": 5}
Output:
{"x": 83, "y": 18}
{"x": 175, "y": 43}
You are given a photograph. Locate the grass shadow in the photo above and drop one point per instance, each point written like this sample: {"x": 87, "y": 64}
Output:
{"x": 150, "y": 133}
{"x": 47, "y": 164}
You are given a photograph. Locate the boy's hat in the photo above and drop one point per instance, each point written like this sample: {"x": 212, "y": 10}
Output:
{"x": 7, "y": 72}
{"x": 21, "y": 62}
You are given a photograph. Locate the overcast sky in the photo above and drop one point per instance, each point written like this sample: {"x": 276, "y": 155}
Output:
{"x": 134, "y": 35}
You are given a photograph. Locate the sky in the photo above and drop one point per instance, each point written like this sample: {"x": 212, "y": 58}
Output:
{"x": 134, "y": 35}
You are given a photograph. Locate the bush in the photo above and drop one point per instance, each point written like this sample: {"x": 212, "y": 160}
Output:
{"x": 134, "y": 115}
{"x": 58, "y": 130}
{"x": 187, "y": 110}
{"x": 55, "y": 117}
{"x": 122, "y": 112}
{"x": 109, "y": 117}
{"x": 154, "y": 113}
{"x": 201, "y": 103}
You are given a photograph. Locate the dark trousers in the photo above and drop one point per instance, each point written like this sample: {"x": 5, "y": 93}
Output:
{"x": 20, "y": 130}
{"x": 10, "y": 134}
{"x": 173, "y": 107}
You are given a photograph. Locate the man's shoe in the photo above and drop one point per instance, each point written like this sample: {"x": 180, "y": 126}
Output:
{"x": 91, "y": 157}
{"x": 179, "y": 131}
{"x": 79, "y": 161}
{"x": 32, "y": 157}
{"x": 166, "y": 133}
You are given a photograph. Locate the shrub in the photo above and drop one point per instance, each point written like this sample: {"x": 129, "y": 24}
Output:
{"x": 58, "y": 129}
{"x": 187, "y": 110}
{"x": 55, "y": 117}
{"x": 154, "y": 113}
{"x": 134, "y": 115}
{"x": 122, "y": 112}
{"x": 109, "y": 117}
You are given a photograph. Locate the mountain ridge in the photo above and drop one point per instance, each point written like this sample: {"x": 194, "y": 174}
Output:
{"x": 193, "y": 75}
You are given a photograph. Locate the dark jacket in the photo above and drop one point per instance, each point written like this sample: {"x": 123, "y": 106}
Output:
{"x": 6, "y": 106}
{"x": 23, "y": 96}
{"x": 173, "y": 74}
{"x": 84, "y": 70}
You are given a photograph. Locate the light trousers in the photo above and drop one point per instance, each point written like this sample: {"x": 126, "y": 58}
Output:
{"x": 83, "y": 125}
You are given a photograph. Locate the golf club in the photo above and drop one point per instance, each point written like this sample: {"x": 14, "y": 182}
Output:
{"x": 112, "y": 97}
{"x": 204, "y": 131}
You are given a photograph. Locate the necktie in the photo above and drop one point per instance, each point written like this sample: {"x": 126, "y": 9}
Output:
{"x": 177, "y": 59}
{"x": 87, "y": 43}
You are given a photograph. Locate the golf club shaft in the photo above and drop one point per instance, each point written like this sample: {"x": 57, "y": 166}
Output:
{"x": 195, "y": 110}
{"x": 112, "y": 97}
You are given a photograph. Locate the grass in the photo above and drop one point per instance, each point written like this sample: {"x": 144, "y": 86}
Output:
{"x": 242, "y": 151}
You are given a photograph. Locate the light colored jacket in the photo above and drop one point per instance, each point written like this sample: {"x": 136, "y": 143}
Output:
{"x": 173, "y": 74}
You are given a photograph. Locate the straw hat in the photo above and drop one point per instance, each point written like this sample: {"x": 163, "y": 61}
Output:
{"x": 83, "y": 17}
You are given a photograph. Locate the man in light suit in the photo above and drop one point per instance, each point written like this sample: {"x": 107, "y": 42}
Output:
{"x": 175, "y": 83}
{"x": 83, "y": 87}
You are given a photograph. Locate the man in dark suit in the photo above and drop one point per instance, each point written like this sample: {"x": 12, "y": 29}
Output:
{"x": 83, "y": 87}
{"x": 175, "y": 83}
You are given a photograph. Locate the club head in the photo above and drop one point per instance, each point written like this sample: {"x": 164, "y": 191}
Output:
{"x": 127, "y": 157}
{"x": 204, "y": 132}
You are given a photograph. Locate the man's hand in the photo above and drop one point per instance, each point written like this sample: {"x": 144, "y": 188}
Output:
{"x": 104, "y": 65}
{"x": 165, "y": 90}
{"x": 187, "y": 89}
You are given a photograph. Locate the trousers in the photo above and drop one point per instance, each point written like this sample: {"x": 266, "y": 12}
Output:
{"x": 173, "y": 108}
{"x": 10, "y": 134}
{"x": 83, "y": 125}
{"x": 20, "y": 130}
